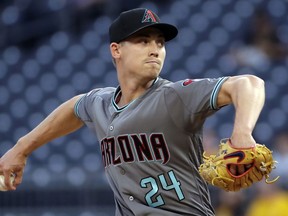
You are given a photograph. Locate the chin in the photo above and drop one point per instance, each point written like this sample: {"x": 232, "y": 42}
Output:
{"x": 154, "y": 72}
{"x": 153, "y": 75}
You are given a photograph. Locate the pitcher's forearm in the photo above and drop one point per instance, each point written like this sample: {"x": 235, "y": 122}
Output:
{"x": 248, "y": 103}
{"x": 247, "y": 94}
{"x": 60, "y": 122}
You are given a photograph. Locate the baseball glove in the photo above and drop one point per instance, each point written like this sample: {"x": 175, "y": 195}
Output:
{"x": 233, "y": 169}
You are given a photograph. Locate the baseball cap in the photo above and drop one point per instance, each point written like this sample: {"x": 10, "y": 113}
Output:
{"x": 131, "y": 21}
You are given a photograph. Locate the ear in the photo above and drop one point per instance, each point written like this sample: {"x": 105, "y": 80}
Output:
{"x": 114, "y": 49}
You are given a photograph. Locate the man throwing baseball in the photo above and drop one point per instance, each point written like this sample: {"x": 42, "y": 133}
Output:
{"x": 149, "y": 128}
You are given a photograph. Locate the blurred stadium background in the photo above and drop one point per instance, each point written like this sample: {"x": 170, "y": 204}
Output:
{"x": 51, "y": 50}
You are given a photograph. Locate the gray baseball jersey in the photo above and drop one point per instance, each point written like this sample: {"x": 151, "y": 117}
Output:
{"x": 152, "y": 147}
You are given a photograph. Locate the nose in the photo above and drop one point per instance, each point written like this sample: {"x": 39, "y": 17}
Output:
{"x": 154, "y": 49}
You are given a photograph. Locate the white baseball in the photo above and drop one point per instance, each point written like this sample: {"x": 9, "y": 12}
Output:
{"x": 2, "y": 183}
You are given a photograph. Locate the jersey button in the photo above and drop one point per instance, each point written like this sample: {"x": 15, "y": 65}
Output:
{"x": 122, "y": 171}
{"x": 111, "y": 127}
{"x": 131, "y": 198}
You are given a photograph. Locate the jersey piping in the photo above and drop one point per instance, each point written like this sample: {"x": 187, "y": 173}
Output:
{"x": 76, "y": 111}
{"x": 215, "y": 91}
{"x": 116, "y": 94}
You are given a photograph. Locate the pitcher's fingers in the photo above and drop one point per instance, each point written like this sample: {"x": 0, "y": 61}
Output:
{"x": 8, "y": 180}
{"x": 18, "y": 178}
{"x": 241, "y": 169}
{"x": 233, "y": 169}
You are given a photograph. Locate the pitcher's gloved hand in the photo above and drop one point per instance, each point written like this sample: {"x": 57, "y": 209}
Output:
{"x": 233, "y": 169}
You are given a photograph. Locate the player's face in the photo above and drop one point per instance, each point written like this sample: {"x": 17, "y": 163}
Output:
{"x": 143, "y": 53}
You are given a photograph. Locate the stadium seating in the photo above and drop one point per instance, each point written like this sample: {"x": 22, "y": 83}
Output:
{"x": 35, "y": 80}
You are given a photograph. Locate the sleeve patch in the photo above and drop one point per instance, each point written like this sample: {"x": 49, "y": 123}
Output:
{"x": 187, "y": 82}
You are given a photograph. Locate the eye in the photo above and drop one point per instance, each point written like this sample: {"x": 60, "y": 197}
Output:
{"x": 161, "y": 42}
{"x": 144, "y": 40}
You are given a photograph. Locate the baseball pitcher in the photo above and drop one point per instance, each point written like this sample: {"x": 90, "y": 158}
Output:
{"x": 150, "y": 129}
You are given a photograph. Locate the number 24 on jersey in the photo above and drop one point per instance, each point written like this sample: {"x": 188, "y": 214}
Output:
{"x": 153, "y": 193}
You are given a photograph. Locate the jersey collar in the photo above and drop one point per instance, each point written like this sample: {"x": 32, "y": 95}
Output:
{"x": 117, "y": 95}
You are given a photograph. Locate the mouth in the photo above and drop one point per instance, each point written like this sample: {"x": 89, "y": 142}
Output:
{"x": 153, "y": 62}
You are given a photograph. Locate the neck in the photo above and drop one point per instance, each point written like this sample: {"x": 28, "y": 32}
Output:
{"x": 131, "y": 91}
